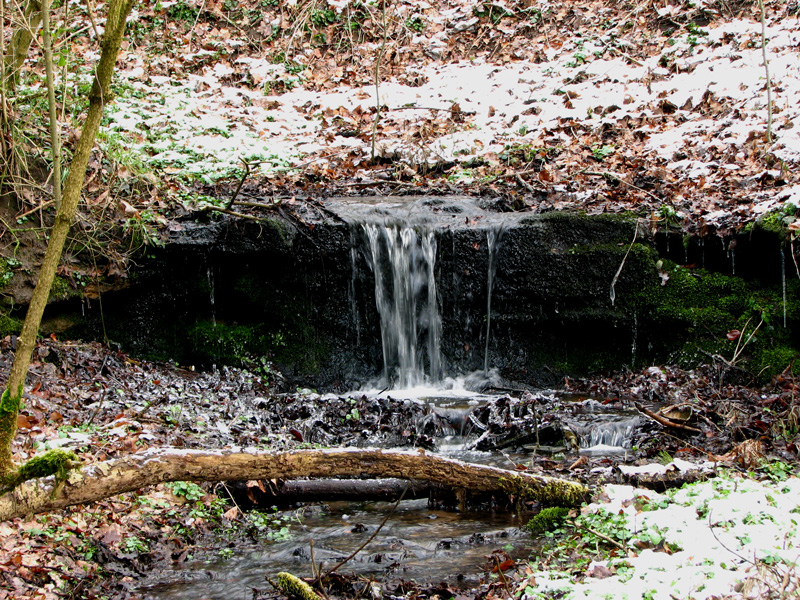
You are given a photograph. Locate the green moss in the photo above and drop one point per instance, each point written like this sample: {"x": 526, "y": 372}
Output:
{"x": 690, "y": 317}
{"x": 767, "y": 362}
{"x": 627, "y": 217}
{"x": 547, "y": 519}
{"x": 778, "y": 220}
{"x": 9, "y": 403}
{"x": 553, "y": 492}
{"x": 242, "y": 344}
{"x": 56, "y": 462}
{"x": 280, "y": 227}
{"x": 288, "y": 325}
{"x": 62, "y": 290}
{"x": 9, "y": 325}
{"x": 228, "y": 344}
{"x": 293, "y": 587}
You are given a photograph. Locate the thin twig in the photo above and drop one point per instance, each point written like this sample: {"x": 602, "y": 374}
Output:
{"x": 502, "y": 577}
{"x": 601, "y": 536}
{"x": 607, "y": 175}
{"x": 663, "y": 420}
{"x": 766, "y": 70}
{"x": 740, "y": 350}
{"x": 55, "y": 137}
{"x": 613, "y": 293}
{"x": 275, "y": 204}
{"x": 378, "y": 60}
{"x": 247, "y": 168}
{"x": 90, "y": 12}
{"x": 233, "y": 213}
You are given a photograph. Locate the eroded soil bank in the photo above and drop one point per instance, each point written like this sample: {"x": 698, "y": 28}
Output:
{"x": 103, "y": 403}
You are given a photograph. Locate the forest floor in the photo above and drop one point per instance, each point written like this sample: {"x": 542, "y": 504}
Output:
{"x": 104, "y": 404}
{"x": 656, "y": 106}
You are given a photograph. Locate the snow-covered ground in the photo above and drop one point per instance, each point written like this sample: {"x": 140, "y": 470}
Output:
{"x": 698, "y": 102}
{"x": 728, "y": 537}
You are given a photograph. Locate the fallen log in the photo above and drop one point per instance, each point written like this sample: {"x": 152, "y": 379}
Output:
{"x": 97, "y": 481}
{"x": 265, "y": 494}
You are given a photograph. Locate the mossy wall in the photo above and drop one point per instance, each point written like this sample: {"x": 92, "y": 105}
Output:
{"x": 227, "y": 291}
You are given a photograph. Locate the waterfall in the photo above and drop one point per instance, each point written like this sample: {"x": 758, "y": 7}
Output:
{"x": 403, "y": 261}
{"x": 492, "y": 241}
{"x": 212, "y": 300}
{"x": 783, "y": 284}
{"x": 352, "y": 287}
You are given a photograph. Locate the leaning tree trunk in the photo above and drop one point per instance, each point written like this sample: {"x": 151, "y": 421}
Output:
{"x": 11, "y": 401}
{"x": 102, "y": 480}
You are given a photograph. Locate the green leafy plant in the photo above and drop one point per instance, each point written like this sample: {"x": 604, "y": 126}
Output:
{"x": 134, "y": 545}
{"x": 140, "y": 230}
{"x": 415, "y": 23}
{"x": 186, "y": 489}
{"x": 323, "y": 17}
{"x": 777, "y": 470}
{"x": 494, "y": 12}
{"x": 600, "y": 153}
{"x": 695, "y": 33}
{"x": 271, "y": 526}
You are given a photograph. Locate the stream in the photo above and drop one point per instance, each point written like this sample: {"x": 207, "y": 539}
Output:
{"x": 453, "y": 417}
{"x": 417, "y": 542}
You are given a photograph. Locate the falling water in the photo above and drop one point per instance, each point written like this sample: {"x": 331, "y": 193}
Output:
{"x": 212, "y": 300}
{"x": 492, "y": 241}
{"x": 403, "y": 261}
{"x": 703, "y": 252}
{"x": 732, "y": 254}
{"x": 783, "y": 284}
{"x": 352, "y": 286}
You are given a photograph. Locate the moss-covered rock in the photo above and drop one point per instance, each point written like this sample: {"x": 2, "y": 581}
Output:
{"x": 547, "y": 519}
{"x": 697, "y": 314}
{"x": 9, "y": 325}
{"x": 295, "y": 588}
{"x": 62, "y": 289}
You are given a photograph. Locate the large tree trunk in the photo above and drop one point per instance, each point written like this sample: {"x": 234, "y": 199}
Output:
{"x": 102, "y": 480}
{"x": 11, "y": 400}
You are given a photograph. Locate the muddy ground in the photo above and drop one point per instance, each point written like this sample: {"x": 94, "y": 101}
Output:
{"x": 103, "y": 404}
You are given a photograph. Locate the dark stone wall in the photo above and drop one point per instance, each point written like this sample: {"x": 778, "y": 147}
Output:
{"x": 302, "y": 297}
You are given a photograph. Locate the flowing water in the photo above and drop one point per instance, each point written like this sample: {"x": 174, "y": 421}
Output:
{"x": 403, "y": 260}
{"x": 416, "y": 542}
{"x": 492, "y": 241}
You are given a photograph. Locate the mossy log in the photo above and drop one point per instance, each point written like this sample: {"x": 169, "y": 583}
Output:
{"x": 96, "y": 481}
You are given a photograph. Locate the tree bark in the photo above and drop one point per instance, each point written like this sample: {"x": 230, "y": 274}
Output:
{"x": 11, "y": 400}
{"x": 102, "y": 480}
{"x": 20, "y": 44}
